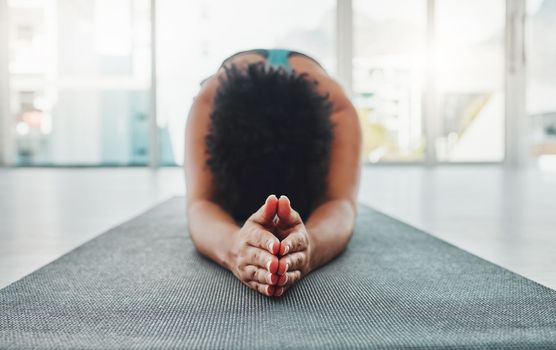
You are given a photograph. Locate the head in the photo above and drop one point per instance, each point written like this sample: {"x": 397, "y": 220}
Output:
{"x": 270, "y": 133}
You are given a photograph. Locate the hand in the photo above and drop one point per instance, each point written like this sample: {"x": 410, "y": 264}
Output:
{"x": 253, "y": 255}
{"x": 295, "y": 247}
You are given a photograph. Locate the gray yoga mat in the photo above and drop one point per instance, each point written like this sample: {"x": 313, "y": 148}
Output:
{"x": 142, "y": 285}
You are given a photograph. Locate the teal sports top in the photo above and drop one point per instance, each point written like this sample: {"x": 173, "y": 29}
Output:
{"x": 274, "y": 57}
{"x": 279, "y": 58}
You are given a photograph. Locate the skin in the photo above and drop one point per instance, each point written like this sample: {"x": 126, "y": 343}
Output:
{"x": 274, "y": 248}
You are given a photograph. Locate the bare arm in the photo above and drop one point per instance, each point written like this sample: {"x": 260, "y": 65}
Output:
{"x": 210, "y": 227}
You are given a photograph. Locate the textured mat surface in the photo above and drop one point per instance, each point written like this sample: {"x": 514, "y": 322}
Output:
{"x": 142, "y": 285}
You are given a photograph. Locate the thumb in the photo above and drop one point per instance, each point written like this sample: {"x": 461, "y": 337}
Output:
{"x": 286, "y": 214}
{"x": 266, "y": 213}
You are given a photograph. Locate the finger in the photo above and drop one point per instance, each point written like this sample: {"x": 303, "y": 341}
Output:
{"x": 291, "y": 262}
{"x": 291, "y": 278}
{"x": 286, "y": 215}
{"x": 294, "y": 242}
{"x": 282, "y": 280}
{"x": 286, "y": 282}
{"x": 262, "y": 288}
{"x": 262, "y": 259}
{"x": 263, "y": 239}
{"x": 279, "y": 291}
{"x": 266, "y": 213}
{"x": 255, "y": 273}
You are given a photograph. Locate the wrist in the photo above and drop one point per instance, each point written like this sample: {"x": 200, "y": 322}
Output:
{"x": 230, "y": 252}
{"x": 312, "y": 251}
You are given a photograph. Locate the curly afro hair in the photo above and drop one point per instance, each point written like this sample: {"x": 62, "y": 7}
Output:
{"x": 270, "y": 133}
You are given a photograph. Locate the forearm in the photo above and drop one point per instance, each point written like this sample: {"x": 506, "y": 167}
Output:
{"x": 329, "y": 228}
{"x": 212, "y": 230}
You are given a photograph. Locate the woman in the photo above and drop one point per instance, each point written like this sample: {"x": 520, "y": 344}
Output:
{"x": 271, "y": 123}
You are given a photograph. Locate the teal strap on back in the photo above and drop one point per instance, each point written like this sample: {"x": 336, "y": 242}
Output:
{"x": 278, "y": 58}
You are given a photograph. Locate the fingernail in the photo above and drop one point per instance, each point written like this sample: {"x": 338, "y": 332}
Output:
{"x": 270, "y": 247}
{"x": 287, "y": 265}
{"x": 279, "y": 292}
{"x": 286, "y": 249}
{"x": 268, "y": 265}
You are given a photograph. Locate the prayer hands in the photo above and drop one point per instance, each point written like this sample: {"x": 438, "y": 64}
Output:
{"x": 271, "y": 251}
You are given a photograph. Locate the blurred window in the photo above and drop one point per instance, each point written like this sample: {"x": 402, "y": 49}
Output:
{"x": 388, "y": 68}
{"x": 80, "y": 73}
{"x": 469, "y": 80}
{"x": 80, "y": 81}
{"x": 541, "y": 75}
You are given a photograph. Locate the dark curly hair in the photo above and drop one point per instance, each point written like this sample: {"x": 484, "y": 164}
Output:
{"x": 270, "y": 133}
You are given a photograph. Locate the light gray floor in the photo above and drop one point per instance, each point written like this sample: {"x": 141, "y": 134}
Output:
{"x": 505, "y": 216}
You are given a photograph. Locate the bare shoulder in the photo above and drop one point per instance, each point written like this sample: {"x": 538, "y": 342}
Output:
{"x": 208, "y": 89}
{"x": 326, "y": 84}
{"x": 210, "y": 85}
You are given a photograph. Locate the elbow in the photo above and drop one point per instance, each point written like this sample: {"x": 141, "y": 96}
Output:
{"x": 193, "y": 207}
{"x": 348, "y": 204}
{"x": 352, "y": 203}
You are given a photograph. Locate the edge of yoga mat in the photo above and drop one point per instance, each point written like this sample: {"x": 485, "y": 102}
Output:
{"x": 106, "y": 231}
{"x": 452, "y": 245}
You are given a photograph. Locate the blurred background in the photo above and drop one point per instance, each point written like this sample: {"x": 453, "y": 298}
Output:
{"x": 457, "y": 100}
{"x": 109, "y": 82}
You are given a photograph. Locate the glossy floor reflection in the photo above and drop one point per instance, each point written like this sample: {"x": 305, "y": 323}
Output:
{"x": 505, "y": 216}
